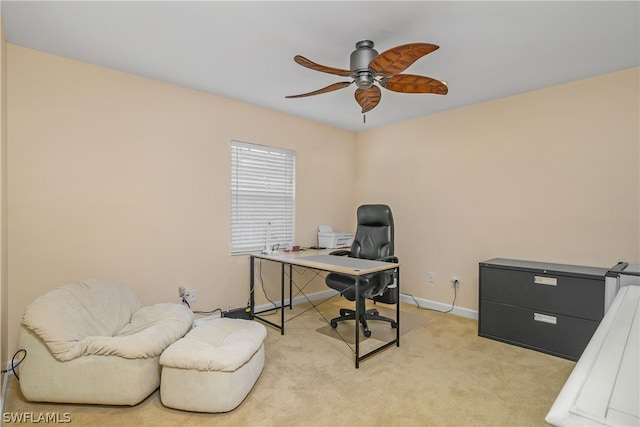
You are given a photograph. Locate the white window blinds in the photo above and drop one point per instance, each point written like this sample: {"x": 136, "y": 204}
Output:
{"x": 262, "y": 197}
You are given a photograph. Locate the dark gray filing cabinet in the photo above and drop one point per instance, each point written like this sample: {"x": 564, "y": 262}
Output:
{"x": 552, "y": 308}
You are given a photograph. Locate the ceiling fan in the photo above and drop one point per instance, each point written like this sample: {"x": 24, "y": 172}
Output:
{"x": 369, "y": 67}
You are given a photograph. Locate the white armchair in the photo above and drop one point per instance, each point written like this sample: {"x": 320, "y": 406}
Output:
{"x": 95, "y": 342}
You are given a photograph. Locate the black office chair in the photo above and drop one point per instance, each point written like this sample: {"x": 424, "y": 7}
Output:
{"x": 374, "y": 241}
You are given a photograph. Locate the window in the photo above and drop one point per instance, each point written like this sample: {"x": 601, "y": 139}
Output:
{"x": 262, "y": 197}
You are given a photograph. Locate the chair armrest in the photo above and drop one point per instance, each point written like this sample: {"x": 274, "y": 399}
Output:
{"x": 342, "y": 252}
{"x": 390, "y": 258}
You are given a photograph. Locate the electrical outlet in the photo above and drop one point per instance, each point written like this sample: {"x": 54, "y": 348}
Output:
{"x": 455, "y": 281}
{"x": 432, "y": 277}
{"x": 190, "y": 295}
{"x": 180, "y": 291}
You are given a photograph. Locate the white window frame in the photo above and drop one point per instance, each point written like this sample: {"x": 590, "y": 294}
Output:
{"x": 262, "y": 197}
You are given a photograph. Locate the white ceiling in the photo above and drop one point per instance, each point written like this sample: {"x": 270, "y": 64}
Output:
{"x": 244, "y": 50}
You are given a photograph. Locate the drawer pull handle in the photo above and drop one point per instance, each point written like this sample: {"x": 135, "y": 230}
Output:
{"x": 549, "y": 281}
{"x": 545, "y": 318}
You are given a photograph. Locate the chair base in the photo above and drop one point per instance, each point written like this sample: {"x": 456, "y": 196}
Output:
{"x": 371, "y": 314}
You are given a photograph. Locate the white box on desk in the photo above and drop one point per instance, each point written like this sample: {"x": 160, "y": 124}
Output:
{"x": 334, "y": 240}
{"x": 327, "y": 238}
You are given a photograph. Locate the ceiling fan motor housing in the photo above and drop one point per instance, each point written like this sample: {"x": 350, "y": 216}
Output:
{"x": 359, "y": 63}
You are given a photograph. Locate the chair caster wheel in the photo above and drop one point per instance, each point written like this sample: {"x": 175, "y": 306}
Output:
{"x": 367, "y": 334}
{"x": 334, "y": 324}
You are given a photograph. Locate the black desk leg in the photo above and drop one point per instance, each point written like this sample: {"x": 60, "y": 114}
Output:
{"x": 282, "y": 298}
{"x": 251, "y": 283}
{"x": 358, "y": 314}
{"x": 398, "y": 307}
{"x": 290, "y": 286}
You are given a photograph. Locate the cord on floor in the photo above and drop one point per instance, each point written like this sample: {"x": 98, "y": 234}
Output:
{"x": 455, "y": 296}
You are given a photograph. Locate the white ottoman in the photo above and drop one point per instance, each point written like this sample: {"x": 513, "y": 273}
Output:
{"x": 214, "y": 366}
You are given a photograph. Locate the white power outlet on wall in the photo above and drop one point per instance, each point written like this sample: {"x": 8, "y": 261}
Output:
{"x": 190, "y": 295}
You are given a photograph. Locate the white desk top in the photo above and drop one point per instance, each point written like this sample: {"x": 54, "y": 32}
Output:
{"x": 603, "y": 389}
{"x": 321, "y": 260}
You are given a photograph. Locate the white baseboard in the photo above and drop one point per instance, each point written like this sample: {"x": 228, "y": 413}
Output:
{"x": 300, "y": 299}
{"x": 269, "y": 306}
{"x": 425, "y": 303}
{"x": 435, "y": 305}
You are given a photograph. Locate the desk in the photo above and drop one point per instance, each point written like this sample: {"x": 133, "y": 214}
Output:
{"x": 603, "y": 389}
{"x": 321, "y": 260}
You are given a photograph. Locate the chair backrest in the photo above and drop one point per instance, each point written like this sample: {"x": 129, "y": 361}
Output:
{"x": 374, "y": 234}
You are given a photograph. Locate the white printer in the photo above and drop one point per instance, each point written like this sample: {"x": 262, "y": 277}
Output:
{"x": 327, "y": 238}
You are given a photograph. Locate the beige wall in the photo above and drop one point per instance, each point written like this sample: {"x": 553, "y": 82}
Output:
{"x": 120, "y": 177}
{"x": 3, "y": 200}
{"x": 125, "y": 178}
{"x": 550, "y": 175}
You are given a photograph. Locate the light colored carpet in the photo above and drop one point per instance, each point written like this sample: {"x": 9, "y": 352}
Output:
{"x": 381, "y": 332}
{"x": 442, "y": 374}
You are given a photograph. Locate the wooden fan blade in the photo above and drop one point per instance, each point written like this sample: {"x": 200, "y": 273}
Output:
{"x": 399, "y": 58}
{"x": 409, "y": 83}
{"x": 368, "y": 98}
{"x": 317, "y": 67}
{"x": 330, "y": 88}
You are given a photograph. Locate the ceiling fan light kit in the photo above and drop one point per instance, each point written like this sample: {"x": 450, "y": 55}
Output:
{"x": 368, "y": 67}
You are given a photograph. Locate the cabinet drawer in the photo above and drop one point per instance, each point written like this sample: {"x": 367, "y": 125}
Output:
{"x": 567, "y": 295}
{"x": 555, "y": 334}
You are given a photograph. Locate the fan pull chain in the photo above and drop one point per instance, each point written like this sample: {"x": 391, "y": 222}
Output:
{"x": 364, "y": 118}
